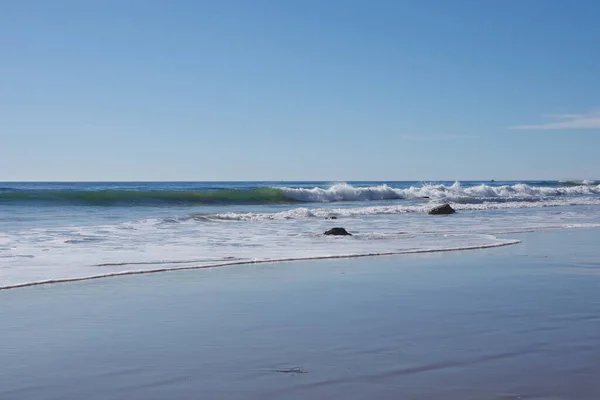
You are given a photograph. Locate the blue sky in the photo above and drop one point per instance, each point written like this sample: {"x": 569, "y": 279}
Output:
{"x": 299, "y": 90}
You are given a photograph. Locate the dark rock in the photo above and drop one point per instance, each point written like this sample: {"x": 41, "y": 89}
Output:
{"x": 442, "y": 210}
{"x": 337, "y": 232}
{"x": 332, "y": 217}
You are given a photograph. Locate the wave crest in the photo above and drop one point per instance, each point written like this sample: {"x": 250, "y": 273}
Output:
{"x": 455, "y": 193}
{"x": 343, "y": 192}
{"x": 452, "y": 193}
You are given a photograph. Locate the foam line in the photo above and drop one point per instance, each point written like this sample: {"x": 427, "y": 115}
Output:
{"x": 189, "y": 268}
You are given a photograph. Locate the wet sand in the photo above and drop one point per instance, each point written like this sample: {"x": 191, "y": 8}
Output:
{"x": 518, "y": 322}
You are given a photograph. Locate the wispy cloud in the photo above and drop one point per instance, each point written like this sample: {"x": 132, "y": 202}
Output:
{"x": 589, "y": 120}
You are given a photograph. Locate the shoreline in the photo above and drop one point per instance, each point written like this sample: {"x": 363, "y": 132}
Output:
{"x": 237, "y": 263}
{"x": 516, "y": 322}
{"x": 301, "y": 259}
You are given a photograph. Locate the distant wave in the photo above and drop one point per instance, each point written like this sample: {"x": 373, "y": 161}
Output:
{"x": 455, "y": 193}
{"x": 586, "y": 182}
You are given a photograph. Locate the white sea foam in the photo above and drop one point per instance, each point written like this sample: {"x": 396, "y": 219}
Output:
{"x": 304, "y": 213}
{"x": 583, "y": 182}
{"x": 455, "y": 192}
{"x": 48, "y": 255}
{"x": 343, "y": 192}
{"x": 184, "y": 241}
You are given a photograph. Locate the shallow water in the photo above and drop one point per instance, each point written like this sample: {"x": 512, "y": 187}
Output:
{"x": 519, "y": 322}
{"x": 62, "y": 231}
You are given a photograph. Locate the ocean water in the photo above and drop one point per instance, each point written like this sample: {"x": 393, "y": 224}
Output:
{"x": 64, "y": 231}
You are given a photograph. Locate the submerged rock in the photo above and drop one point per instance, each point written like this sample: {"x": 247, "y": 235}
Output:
{"x": 337, "y": 232}
{"x": 442, "y": 210}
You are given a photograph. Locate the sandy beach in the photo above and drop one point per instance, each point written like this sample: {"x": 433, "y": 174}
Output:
{"x": 517, "y": 322}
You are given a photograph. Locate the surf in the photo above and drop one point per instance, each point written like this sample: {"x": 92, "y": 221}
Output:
{"x": 268, "y": 194}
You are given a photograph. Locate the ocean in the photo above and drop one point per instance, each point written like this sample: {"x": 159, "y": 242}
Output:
{"x": 54, "y": 231}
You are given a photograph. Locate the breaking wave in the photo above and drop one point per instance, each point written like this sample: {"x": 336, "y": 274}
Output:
{"x": 456, "y": 192}
{"x": 340, "y": 192}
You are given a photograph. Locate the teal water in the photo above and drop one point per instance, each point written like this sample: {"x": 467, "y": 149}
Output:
{"x": 260, "y": 193}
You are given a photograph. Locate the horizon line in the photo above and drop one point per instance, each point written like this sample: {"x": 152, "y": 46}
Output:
{"x": 295, "y": 181}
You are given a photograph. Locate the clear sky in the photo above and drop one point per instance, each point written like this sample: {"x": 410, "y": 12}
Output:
{"x": 299, "y": 90}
